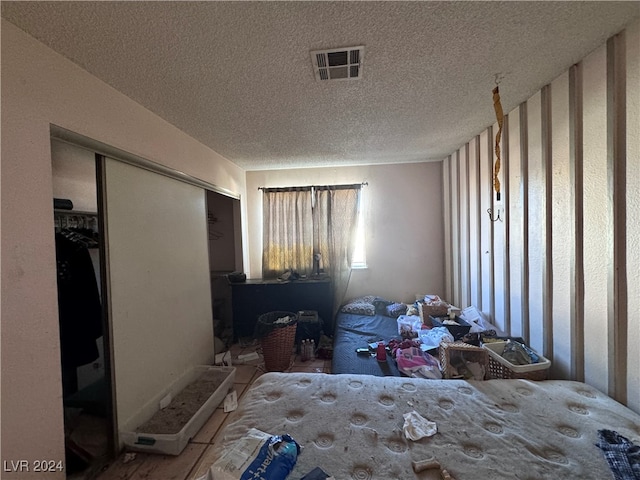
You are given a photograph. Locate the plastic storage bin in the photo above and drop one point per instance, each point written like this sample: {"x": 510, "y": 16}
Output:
{"x": 173, "y": 444}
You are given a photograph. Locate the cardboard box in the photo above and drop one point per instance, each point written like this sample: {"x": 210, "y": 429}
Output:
{"x": 427, "y": 310}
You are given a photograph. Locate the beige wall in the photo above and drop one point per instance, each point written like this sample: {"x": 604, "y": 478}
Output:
{"x": 633, "y": 211}
{"x": 39, "y": 88}
{"x": 547, "y": 272}
{"x": 403, "y": 221}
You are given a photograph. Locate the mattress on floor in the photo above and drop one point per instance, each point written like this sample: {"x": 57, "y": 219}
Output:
{"x": 351, "y": 425}
{"x": 358, "y": 331}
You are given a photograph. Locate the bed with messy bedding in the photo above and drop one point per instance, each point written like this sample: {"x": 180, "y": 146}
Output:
{"x": 361, "y": 323}
{"x": 355, "y": 331}
{"x": 370, "y": 427}
{"x": 364, "y": 321}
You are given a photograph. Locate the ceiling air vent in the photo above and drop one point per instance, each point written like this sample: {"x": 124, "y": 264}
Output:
{"x": 338, "y": 63}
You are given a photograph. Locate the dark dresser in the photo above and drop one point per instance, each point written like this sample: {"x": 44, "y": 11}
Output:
{"x": 252, "y": 298}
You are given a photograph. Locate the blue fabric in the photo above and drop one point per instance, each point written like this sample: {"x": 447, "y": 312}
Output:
{"x": 396, "y": 309}
{"x": 622, "y": 455}
{"x": 358, "y": 331}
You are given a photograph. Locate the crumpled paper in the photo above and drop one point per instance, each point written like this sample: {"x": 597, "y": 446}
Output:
{"x": 416, "y": 426}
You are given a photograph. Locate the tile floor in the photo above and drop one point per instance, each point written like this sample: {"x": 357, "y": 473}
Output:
{"x": 197, "y": 456}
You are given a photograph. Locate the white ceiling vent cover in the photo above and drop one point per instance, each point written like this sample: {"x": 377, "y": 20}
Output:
{"x": 338, "y": 63}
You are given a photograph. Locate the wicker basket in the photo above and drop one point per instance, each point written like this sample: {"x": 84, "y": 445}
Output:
{"x": 499, "y": 367}
{"x": 470, "y": 353}
{"x": 277, "y": 345}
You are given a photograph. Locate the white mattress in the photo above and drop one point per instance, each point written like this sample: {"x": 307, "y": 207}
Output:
{"x": 351, "y": 425}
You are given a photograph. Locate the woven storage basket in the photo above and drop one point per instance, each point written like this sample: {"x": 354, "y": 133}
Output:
{"x": 277, "y": 345}
{"x": 499, "y": 367}
{"x": 470, "y": 353}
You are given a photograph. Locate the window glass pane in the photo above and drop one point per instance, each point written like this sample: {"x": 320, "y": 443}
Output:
{"x": 359, "y": 259}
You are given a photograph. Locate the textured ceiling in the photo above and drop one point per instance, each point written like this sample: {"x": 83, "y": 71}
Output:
{"x": 237, "y": 76}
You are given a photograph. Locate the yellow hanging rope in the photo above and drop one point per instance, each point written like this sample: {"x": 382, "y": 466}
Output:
{"x": 500, "y": 117}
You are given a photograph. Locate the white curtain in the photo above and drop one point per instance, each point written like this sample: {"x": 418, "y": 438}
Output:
{"x": 295, "y": 230}
{"x": 287, "y": 232}
{"x": 334, "y": 226}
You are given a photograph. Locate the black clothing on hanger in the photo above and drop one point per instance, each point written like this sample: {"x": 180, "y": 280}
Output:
{"x": 79, "y": 305}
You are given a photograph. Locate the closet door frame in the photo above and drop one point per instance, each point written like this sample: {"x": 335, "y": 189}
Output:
{"x": 103, "y": 151}
{"x": 113, "y": 435}
{"x": 135, "y": 160}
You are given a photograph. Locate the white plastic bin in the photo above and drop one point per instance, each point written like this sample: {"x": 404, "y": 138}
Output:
{"x": 173, "y": 444}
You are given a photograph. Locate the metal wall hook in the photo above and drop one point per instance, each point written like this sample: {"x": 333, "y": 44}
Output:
{"x": 497, "y": 218}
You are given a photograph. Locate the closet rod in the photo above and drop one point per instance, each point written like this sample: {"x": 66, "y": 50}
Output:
{"x": 74, "y": 213}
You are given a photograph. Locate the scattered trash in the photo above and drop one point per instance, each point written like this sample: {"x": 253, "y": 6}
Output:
{"x": 416, "y": 426}
{"x": 129, "y": 457}
{"x": 317, "y": 474}
{"x": 223, "y": 359}
{"x": 307, "y": 349}
{"x": 256, "y": 455}
{"x": 230, "y": 402}
{"x": 446, "y": 475}
{"x": 325, "y": 348}
{"x": 248, "y": 357}
{"x": 431, "y": 464}
{"x": 425, "y": 465}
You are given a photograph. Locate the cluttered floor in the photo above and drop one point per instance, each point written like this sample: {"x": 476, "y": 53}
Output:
{"x": 194, "y": 461}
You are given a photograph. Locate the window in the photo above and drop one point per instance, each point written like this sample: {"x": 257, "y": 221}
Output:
{"x": 359, "y": 259}
{"x": 300, "y": 222}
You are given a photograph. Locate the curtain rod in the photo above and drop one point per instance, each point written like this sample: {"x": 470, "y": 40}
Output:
{"x": 316, "y": 187}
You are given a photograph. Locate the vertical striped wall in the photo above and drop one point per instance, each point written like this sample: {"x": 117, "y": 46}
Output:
{"x": 561, "y": 267}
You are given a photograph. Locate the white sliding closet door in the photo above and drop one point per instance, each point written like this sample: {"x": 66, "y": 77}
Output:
{"x": 159, "y": 285}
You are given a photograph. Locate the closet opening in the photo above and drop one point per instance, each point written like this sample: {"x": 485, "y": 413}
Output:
{"x": 82, "y": 311}
{"x": 225, "y": 257}
{"x": 155, "y": 292}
